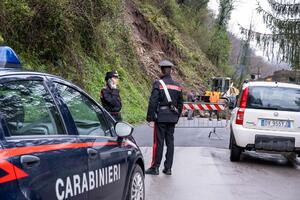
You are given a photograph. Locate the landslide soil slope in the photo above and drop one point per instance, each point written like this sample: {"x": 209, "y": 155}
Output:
{"x": 153, "y": 45}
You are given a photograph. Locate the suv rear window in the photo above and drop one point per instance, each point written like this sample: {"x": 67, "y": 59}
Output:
{"x": 274, "y": 98}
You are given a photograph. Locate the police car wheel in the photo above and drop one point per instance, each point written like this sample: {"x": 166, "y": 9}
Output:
{"x": 137, "y": 185}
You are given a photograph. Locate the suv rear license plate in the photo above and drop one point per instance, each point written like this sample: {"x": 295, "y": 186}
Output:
{"x": 270, "y": 123}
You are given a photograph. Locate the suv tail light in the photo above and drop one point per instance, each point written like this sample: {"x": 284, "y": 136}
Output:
{"x": 240, "y": 114}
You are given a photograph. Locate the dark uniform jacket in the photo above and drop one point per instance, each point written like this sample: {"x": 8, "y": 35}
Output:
{"x": 111, "y": 100}
{"x": 159, "y": 110}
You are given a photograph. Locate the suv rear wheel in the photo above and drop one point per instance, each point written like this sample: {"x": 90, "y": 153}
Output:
{"x": 235, "y": 151}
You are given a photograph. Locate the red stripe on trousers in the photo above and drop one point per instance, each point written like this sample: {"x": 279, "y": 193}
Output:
{"x": 154, "y": 147}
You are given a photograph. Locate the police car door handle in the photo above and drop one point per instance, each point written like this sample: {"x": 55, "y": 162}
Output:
{"x": 93, "y": 153}
{"x": 29, "y": 161}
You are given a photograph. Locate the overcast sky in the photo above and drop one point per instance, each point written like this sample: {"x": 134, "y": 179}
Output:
{"x": 244, "y": 11}
{"x": 242, "y": 14}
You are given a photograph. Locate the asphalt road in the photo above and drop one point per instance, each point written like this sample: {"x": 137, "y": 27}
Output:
{"x": 185, "y": 137}
{"x": 206, "y": 173}
{"x": 202, "y": 170}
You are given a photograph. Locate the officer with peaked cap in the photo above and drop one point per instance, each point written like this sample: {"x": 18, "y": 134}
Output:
{"x": 165, "y": 107}
{"x": 110, "y": 95}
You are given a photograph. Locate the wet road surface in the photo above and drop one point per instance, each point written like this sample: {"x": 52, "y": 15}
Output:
{"x": 207, "y": 173}
{"x": 202, "y": 170}
{"x": 185, "y": 137}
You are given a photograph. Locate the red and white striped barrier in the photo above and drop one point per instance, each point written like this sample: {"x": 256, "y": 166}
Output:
{"x": 203, "y": 106}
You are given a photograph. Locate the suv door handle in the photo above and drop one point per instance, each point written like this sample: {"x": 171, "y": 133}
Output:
{"x": 29, "y": 161}
{"x": 93, "y": 153}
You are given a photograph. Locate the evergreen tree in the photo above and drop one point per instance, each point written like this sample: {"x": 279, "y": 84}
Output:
{"x": 283, "y": 20}
{"x": 225, "y": 9}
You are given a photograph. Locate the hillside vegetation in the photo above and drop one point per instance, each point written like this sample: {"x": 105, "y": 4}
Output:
{"x": 81, "y": 40}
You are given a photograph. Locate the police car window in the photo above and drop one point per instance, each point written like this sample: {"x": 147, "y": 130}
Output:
{"x": 88, "y": 117}
{"x": 28, "y": 109}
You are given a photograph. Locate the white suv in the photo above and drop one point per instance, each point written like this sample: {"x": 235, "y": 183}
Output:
{"x": 267, "y": 119}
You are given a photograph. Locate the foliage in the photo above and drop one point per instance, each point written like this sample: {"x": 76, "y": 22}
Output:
{"x": 225, "y": 9}
{"x": 219, "y": 49}
{"x": 79, "y": 40}
{"x": 254, "y": 64}
{"x": 284, "y": 22}
{"x": 195, "y": 11}
{"x": 284, "y": 8}
{"x": 1, "y": 39}
{"x": 191, "y": 38}
{"x": 195, "y": 4}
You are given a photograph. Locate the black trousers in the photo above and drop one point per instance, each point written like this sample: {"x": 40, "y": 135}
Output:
{"x": 163, "y": 132}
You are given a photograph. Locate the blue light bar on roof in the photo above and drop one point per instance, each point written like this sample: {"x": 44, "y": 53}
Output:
{"x": 8, "y": 58}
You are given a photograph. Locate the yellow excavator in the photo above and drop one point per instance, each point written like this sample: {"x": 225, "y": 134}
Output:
{"x": 225, "y": 88}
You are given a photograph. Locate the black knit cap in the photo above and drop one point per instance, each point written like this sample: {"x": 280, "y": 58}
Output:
{"x": 112, "y": 74}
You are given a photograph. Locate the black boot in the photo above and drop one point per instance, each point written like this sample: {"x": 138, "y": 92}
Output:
{"x": 152, "y": 171}
{"x": 167, "y": 171}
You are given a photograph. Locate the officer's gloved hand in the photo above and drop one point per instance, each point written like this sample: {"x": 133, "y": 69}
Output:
{"x": 111, "y": 84}
{"x": 114, "y": 86}
{"x": 151, "y": 124}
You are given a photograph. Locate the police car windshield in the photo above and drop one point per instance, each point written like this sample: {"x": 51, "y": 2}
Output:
{"x": 274, "y": 98}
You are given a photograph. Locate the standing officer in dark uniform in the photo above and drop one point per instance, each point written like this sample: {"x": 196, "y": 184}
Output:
{"x": 164, "y": 111}
{"x": 110, "y": 95}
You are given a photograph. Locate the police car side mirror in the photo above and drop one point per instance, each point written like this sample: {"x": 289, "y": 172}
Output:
{"x": 123, "y": 129}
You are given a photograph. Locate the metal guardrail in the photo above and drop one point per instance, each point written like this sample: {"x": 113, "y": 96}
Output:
{"x": 204, "y": 115}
